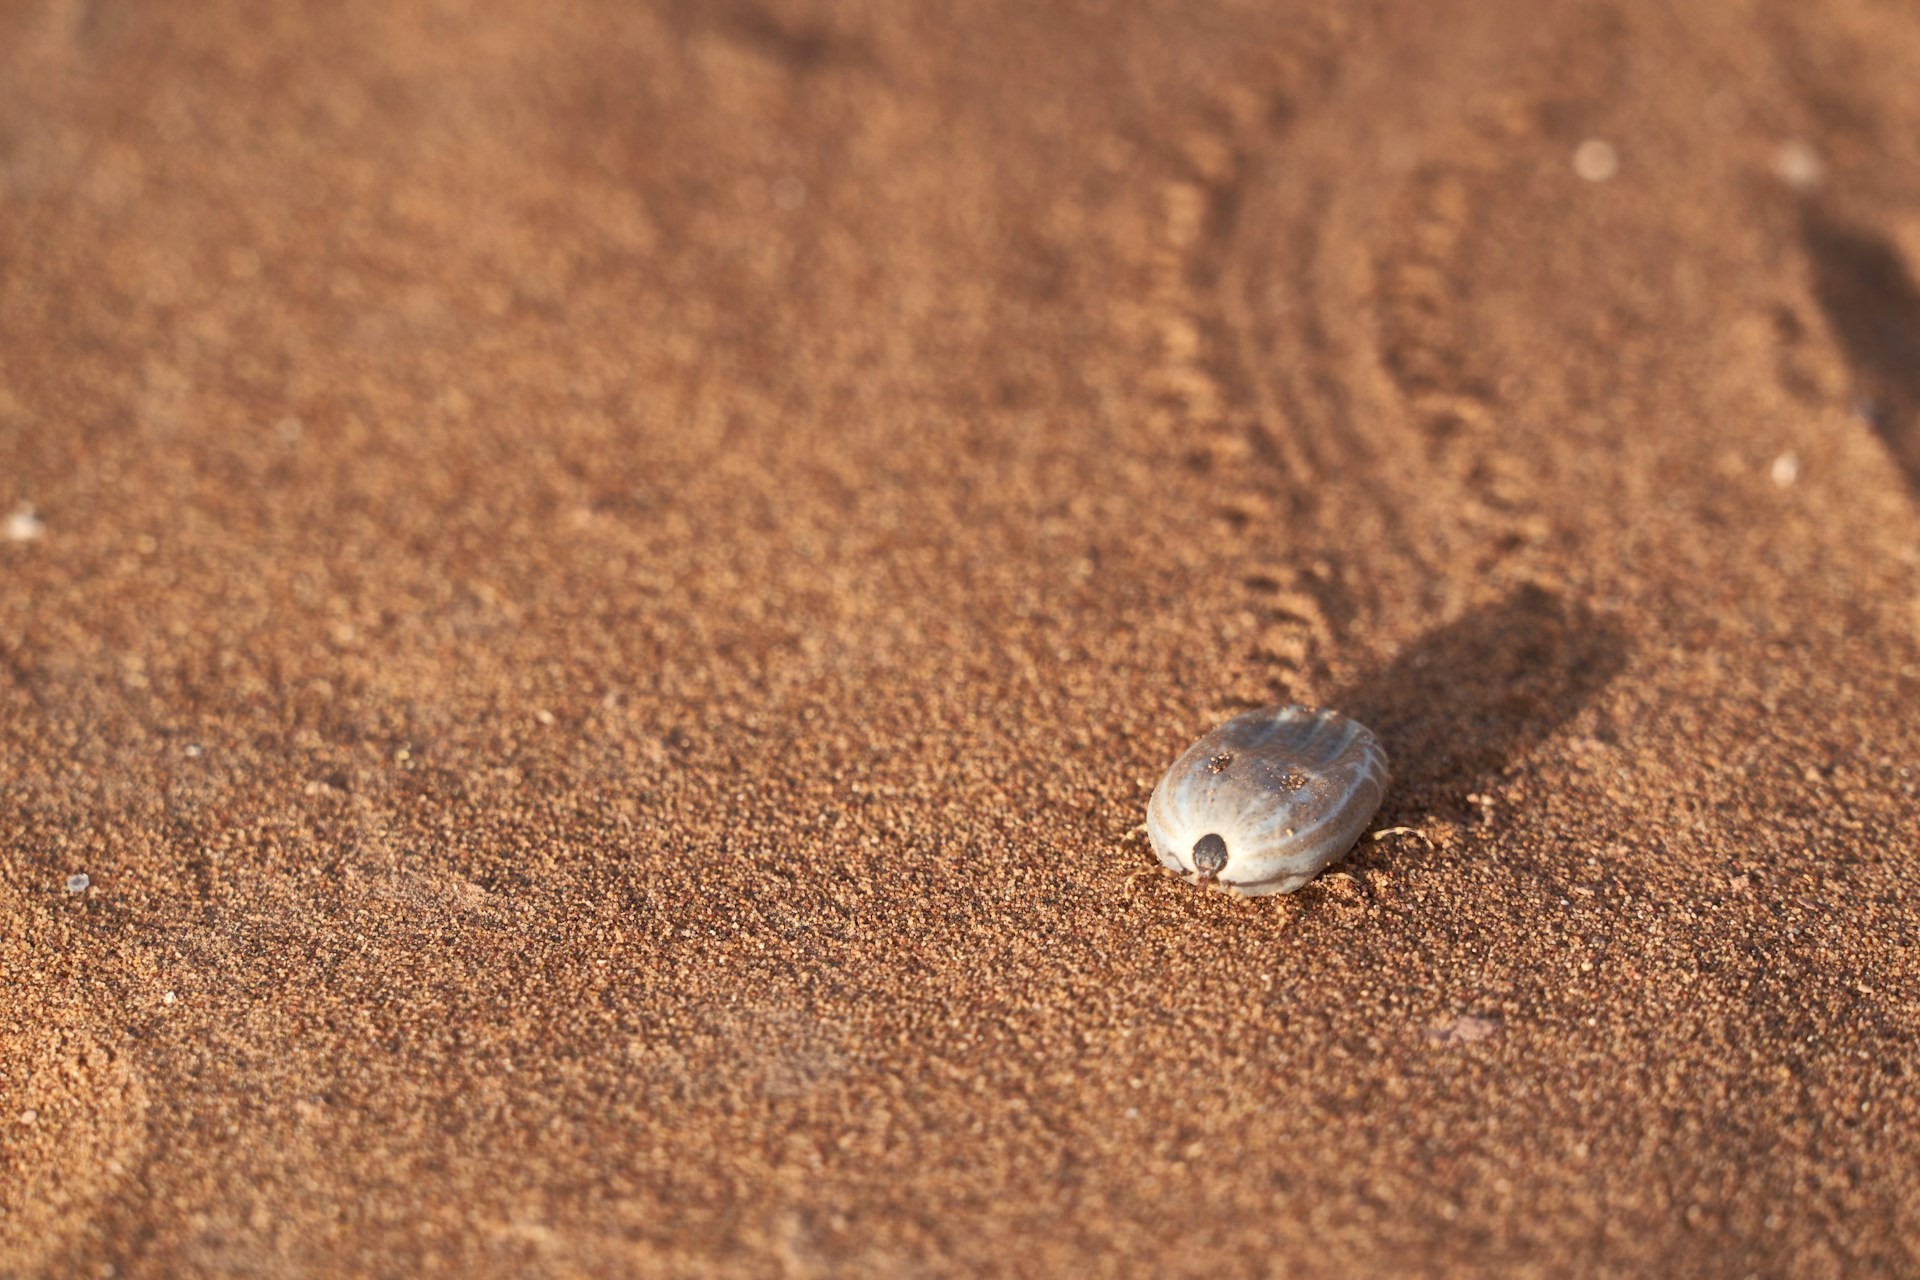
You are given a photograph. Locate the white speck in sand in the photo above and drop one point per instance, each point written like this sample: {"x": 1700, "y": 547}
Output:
{"x": 22, "y": 525}
{"x": 1798, "y": 165}
{"x": 1467, "y": 1028}
{"x": 1785, "y": 470}
{"x": 1596, "y": 161}
{"x": 78, "y": 882}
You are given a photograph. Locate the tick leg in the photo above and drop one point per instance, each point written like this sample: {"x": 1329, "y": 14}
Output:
{"x": 1126, "y": 886}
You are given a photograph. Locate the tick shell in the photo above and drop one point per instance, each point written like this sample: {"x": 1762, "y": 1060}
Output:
{"x": 1266, "y": 801}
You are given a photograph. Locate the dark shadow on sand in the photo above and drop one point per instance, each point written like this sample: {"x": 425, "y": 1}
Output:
{"x": 1872, "y": 302}
{"x": 1458, "y": 705}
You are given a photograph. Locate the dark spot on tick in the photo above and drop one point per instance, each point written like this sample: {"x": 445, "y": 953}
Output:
{"x": 1220, "y": 762}
{"x": 1210, "y": 855}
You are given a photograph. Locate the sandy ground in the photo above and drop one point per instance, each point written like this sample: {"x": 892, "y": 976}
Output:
{"x": 597, "y": 591}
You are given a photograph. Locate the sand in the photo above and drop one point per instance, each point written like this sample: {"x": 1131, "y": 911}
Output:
{"x": 597, "y": 591}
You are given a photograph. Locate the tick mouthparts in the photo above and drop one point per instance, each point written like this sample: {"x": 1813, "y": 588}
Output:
{"x": 1210, "y": 856}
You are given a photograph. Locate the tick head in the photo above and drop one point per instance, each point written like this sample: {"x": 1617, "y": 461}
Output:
{"x": 1210, "y": 856}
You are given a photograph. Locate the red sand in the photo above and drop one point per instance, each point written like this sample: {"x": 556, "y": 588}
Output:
{"x": 611, "y": 587}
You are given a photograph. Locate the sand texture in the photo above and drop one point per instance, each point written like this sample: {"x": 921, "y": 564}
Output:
{"x": 597, "y": 590}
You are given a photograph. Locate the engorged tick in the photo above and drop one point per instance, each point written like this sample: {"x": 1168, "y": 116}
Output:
{"x": 1261, "y": 828}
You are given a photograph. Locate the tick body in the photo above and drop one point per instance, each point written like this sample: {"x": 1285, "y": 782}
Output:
{"x": 1267, "y": 800}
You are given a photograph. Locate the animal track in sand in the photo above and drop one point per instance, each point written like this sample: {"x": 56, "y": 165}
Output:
{"x": 1315, "y": 365}
{"x": 1206, "y": 396}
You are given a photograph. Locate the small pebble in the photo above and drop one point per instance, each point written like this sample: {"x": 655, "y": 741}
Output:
{"x": 22, "y": 525}
{"x": 1467, "y": 1028}
{"x": 1596, "y": 161}
{"x": 1798, "y": 165}
{"x": 1785, "y": 470}
{"x": 78, "y": 882}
